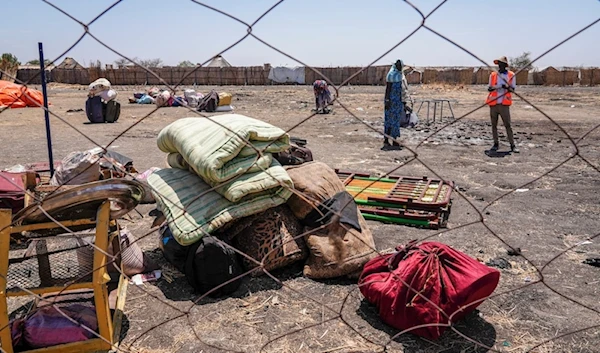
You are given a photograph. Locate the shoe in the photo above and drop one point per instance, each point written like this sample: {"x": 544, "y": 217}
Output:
{"x": 494, "y": 147}
{"x": 396, "y": 146}
{"x": 514, "y": 149}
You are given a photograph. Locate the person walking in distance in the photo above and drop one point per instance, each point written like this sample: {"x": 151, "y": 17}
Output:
{"x": 502, "y": 83}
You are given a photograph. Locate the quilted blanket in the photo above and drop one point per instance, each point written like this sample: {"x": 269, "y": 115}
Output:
{"x": 223, "y": 152}
{"x": 192, "y": 209}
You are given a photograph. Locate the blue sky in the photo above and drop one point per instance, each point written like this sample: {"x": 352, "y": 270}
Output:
{"x": 320, "y": 33}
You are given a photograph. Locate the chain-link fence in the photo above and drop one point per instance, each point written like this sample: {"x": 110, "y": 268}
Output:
{"x": 544, "y": 303}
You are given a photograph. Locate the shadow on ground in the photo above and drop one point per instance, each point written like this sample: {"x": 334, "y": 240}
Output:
{"x": 472, "y": 326}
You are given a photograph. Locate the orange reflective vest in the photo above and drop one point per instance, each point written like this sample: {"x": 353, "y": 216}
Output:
{"x": 492, "y": 98}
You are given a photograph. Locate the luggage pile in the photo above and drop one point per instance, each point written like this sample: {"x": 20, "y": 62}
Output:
{"x": 220, "y": 199}
{"x": 420, "y": 202}
{"x": 101, "y": 105}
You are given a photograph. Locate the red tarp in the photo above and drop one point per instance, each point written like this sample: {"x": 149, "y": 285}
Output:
{"x": 443, "y": 280}
{"x": 18, "y": 96}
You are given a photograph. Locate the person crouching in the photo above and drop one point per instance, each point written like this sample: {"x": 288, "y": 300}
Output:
{"x": 322, "y": 96}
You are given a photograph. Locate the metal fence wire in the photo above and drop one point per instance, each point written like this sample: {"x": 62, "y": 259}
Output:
{"x": 334, "y": 326}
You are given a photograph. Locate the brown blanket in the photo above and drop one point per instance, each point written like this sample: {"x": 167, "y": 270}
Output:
{"x": 336, "y": 250}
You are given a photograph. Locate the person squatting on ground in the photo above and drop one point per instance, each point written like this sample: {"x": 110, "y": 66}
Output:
{"x": 502, "y": 83}
{"x": 396, "y": 94}
{"x": 322, "y": 96}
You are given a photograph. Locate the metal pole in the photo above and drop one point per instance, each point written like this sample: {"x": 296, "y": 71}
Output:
{"x": 46, "y": 114}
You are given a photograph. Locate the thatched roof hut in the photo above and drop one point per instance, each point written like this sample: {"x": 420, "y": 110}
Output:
{"x": 218, "y": 61}
{"x": 71, "y": 64}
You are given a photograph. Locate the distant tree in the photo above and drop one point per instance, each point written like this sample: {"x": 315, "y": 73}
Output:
{"x": 121, "y": 62}
{"x": 10, "y": 59}
{"x": 186, "y": 63}
{"x": 95, "y": 63}
{"x": 522, "y": 61}
{"x": 37, "y": 62}
{"x": 9, "y": 64}
{"x": 151, "y": 62}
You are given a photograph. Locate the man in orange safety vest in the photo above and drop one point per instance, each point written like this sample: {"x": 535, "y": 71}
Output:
{"x": 502, "y": 83}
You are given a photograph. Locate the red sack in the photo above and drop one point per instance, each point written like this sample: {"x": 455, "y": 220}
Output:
{"x": 448, "y": 279}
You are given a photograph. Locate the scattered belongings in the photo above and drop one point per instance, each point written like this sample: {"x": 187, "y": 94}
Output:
{"x": 13, "y": 95}
{"x": 212, "y": 102}
{"x": 142, "y": 278}
{"x": 224, "y": 99}
{"x": 133, "y": 260}
{"x": 50, "y": 326}
{"x": 54, "y": 264}
{"x": 92, "y": 165}
{"x": 206, "y": 264}
{"x": 296, "y": 154}
{"x": 204, "y": 155}
{"x": 169, "y": 99}
{"x": 336, "y": 249}
{"x": 413, "y": 201}
{"x": 209, "y": 103}
{"x": 592, "y": 261}
{"x": 192, "y": 97}
{"x": 101, "y": 106}
{"x": 445, "y": 286}
{"x": 82, "y": 201}
{"x": 500, "y": 263}
{"x": 12, "y": 189}
{"x": 513, "y": 252}
{"x": 148, "y": 97}
{"x": 213, "y": 267}
{"x": 273, "y": 237}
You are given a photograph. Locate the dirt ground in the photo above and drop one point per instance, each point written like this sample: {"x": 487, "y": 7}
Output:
{"x": 543, "y": 219}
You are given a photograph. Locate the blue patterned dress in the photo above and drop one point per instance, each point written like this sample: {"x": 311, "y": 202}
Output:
{"x": 394, "y": 114}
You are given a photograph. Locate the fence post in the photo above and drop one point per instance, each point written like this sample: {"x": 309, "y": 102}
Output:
{"x": 46, "y": 115}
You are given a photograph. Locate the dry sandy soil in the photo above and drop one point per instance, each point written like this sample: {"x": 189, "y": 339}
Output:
{"x": 552, "y": 214}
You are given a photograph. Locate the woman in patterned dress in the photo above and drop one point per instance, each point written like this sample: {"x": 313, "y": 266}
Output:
{"x": 396, "y": 92}
{"x": 322, "y": 96}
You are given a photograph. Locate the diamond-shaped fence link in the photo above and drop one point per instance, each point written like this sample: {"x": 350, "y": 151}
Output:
{"x": 299, "y": 316}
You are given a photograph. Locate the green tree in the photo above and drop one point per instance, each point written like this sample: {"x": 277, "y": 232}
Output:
{"x": 522, "y": 61}
{"x": 37, "y": 62}
{"x": 150, "y": 62}
{"x": 9, "y": 65}
{"x": 186, "y": 63}
{"x": 9, "y": 59}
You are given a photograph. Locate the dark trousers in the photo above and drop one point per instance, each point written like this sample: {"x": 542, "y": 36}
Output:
{"x": 504, "y": 112}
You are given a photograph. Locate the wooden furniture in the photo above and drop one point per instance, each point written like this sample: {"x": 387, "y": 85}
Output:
{"x": 51, "y": 277}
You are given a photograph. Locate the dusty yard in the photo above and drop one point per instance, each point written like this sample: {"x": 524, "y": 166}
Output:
{"x": 543, "y": 219}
